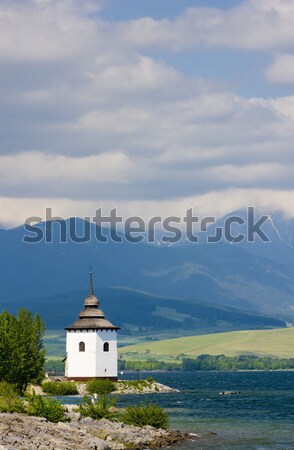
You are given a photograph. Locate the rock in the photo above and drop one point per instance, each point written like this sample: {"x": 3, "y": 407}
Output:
{"x": 96, "y": 444}
{"x": 40, "y": 419}
{"x": 21, "y": 432}
{"x": 64, "y": 426}
{"x": 88, "y": 420}
{"x": 150, "y": 388}
{"x": 229, "y": 393}
{"x": 75, "y": 416}
{"x": 2, "y": 447}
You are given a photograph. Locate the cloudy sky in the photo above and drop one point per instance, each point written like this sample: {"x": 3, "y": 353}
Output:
{"x": 151, "y": 106}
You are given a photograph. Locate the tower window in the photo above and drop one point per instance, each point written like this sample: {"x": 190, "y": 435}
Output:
{"x": 106, "y": 347}
{"x": 81, "y": 346}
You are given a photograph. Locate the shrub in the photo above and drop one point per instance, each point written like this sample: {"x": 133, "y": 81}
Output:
{"x": 51, "y": 409}
{"x": 136, "y": 384}
{"x": 150, "y": 380}
{"x": 63, "y": 388}
{"x": 142, "y": 415}
{"x": 100, "y": 387}
{"x": 97, "y": 409}
{"x": 8, "y": 389}
{"x": 10, "y": 401}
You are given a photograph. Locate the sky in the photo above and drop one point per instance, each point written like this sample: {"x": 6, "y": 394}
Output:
{"x": 149, "y": 106}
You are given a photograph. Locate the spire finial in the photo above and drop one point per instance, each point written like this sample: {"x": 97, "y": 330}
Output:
{"x": 91, "y": 283}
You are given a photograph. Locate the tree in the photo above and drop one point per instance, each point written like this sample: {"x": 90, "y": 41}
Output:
{"x": 22, "y": 354}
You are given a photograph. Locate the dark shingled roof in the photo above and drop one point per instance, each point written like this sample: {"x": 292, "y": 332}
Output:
{"x": 91, "y": 317}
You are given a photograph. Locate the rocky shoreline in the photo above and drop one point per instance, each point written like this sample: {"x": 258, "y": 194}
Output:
{"x": 123, "y": 388}
{"x": 22, "y": 432}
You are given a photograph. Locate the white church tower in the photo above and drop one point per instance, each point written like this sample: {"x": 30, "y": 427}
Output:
{"x": 91, "y": 344}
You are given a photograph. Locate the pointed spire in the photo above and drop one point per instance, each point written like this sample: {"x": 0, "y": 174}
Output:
{"x": 91, "y": 284}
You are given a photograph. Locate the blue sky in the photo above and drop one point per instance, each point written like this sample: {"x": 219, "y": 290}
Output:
{"x": 158, "y": 9}
{"x": 149, "y": 106}
{"x": 241, "y": 71}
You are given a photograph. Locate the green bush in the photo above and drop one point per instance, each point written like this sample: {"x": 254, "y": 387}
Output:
{"x": 142, "y": 415}
{"x": 9, "y": 400}
{"x": 63, "y": 388}
{"x": 150, "y": 380}
{"x": 100, "y": 408}
{"x": 51, "y": 409}
{"x": 8, "y": 389}
{"x": 136, "y": 384}
{"x": 100, "y": 387}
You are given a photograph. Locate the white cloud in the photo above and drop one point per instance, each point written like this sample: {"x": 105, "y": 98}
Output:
{"x": 251, "y": 25}
{"x": 32, "y": 173}
{"x": 34, "y": 30}
{"x": 15, "y": 211}
{"x": 282, "y": 70}
{"x": 110, "y": 124}
{"x": 155, "y": 147}
{"x": 278, "y": 6}
{"x": 142, "y": 74}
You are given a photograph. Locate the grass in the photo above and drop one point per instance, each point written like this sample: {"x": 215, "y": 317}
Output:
{"x": 277, "y": 343}
{"x": 54, "y": 358}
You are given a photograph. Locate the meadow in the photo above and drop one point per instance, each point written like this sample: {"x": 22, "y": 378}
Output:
{"x": 275, "y": 343}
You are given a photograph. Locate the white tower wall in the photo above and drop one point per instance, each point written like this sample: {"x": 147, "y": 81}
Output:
{"x": 94, "y": 362}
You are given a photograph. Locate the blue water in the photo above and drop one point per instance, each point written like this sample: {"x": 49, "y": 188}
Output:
{"x": 261, "y": 417}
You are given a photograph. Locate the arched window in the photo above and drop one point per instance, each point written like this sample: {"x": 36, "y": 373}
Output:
{"x": 81, "y": 346}
{"x": 106, "y": 347}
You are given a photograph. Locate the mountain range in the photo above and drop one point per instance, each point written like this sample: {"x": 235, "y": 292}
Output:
{"x": 253, "y": 278}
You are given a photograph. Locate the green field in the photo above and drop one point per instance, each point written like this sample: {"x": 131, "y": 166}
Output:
{"x": 277, "y": 343}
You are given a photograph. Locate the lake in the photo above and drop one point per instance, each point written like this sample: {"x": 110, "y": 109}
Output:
{"x": 261, "y": 417}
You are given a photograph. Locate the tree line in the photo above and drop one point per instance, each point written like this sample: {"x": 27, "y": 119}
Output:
{"x": 202, "y": 362}
{"x": 212, "y": 362}
{"x": 232, "y": 363}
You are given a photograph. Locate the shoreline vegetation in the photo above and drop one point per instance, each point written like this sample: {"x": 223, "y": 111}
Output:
{"x": 201, "y": 363}
{"x": 60, "y": 386}
{"x": 39, "y": 421}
